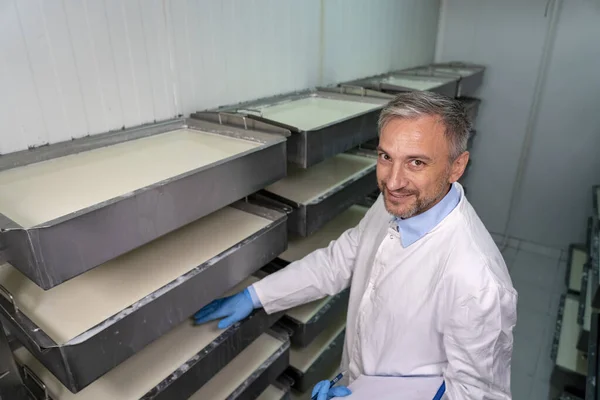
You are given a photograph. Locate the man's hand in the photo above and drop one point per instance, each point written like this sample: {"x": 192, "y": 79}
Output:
{"x": 232, "y": 309}
{"x": 325, "y": 392}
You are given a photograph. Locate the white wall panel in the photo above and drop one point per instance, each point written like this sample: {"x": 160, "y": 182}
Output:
{"x": 77, "y": 67}
{"x": 507, "y": 37}
{"x": 365, "y": 38}
{"x": 555, "y": 195}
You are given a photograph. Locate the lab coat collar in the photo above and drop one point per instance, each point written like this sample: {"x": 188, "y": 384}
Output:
{"x": 414, "y": 228}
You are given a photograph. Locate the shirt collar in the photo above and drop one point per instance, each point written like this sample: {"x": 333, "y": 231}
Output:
{"x": 414, "y": 228}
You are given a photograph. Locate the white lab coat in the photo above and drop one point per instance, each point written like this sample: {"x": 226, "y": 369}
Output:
{"x": 443, "y": 305}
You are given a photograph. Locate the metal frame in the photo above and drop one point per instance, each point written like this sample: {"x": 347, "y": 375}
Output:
{"x": 562, "y": 377}
{"x": 11, "y": 382}
{"x": 200, "y": 368}
{"x": 592, "y": 354}
{"x": 327, "y": 361}
{"x": 593, "y": 248}
{"x": 467, "y": 84}
{"x": 585, "y": 276}
{"x": 448, "y": 84}
{"x": 595, "y": 190}
{"x": 307, "y": 218}
{"x": 264, "y": 375}
{"x": 308, "y": 147}
{"x": 184, "y": 382}
{"x": 85, "y": 358}
{"x": 104, "y": 231}
{"x": 557, "y": 328}
{"x": 572, "y": 248}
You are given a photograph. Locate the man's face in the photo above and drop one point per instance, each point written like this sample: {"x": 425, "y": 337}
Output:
{"x": 414, "y": 170}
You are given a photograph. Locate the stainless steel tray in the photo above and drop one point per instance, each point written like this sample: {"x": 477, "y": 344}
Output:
{"x": 592, "y": 389}
{"x": 306, "y": 147}
{"x": 265, "y": 375}
{"x": 63, "y": 248}
{"x": 470, "y": 76}
{"x": 187, "y": 378}
{"x": 596, "y": 200}
{"x": 446, "y": 85}
{"x": 283, "y": 392}
{"x": 309, "y": 215}
{"x": 93, "y": 353}
{"x": 593, "y": 245}
{"x": 326, "y": 362}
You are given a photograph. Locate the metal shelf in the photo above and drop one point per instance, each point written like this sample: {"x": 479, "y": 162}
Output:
{"x": 570, "y": 365}
{"x": 307, "y": 146}
{"x": 57, "y": 250}
{"x": 470, "y": 76}
{"x": 402, "y": 81}
{"x": 80, "y": 361}
{"x": 131, "y": 380}
{"x": 592, "y": 360}
{"x": 319, "y": 194}
{"x": 326, "y": 351}
{"x": 255, "y": 382}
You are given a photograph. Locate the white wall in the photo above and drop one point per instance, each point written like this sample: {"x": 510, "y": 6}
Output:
{"x": 508, "y": 37}
{"x": 556, "y": 197}
{"x": 72, "y": 68}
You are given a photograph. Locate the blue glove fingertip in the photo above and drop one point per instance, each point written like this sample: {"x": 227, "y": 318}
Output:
{"x": 318, "y": 387}
{"x": 340, "y": 391}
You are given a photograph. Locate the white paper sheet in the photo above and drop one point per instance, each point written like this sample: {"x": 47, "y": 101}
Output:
{"x": 394, "y": 388}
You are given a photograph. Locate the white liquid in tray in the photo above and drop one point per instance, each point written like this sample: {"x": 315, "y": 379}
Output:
{"x": 303, "y": 185}
{"x": 313, "y": 112}
{"x": 40, "y": 192}
{"x": 299, "y": 247}
{"x": 302, "y": 359}
{"x": 417, "y": 84}
{"x": 239, "y": 369}
{"x": 69, "y": 309}
{"x": 141, "y": 372}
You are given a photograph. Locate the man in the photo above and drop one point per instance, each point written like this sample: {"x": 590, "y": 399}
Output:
{"x": 430, "y": 292}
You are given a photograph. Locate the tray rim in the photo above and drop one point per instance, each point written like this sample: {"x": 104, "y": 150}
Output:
{"x": 43, "y": 341}
{"x": 264, "y": 141}
{"x": 245, "y": 108}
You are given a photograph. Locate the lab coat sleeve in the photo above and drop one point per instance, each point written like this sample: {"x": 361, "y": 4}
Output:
{"x": 323, "y": 272}
{"x": 478, "y": 340}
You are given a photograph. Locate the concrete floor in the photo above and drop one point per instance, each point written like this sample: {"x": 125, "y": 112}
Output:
{"x": 538, "y": 275}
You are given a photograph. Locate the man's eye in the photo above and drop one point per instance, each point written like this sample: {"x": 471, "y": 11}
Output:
{"x": 417, "y": 163}
{"x": 384, "y": 156}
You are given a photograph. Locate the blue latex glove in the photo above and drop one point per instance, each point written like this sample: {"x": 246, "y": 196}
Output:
{"x": 232, "y": 309}
{"x": 325, "y": 392}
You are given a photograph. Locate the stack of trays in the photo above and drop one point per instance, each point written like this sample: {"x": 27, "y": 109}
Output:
{"x": 470, "y": 76}
{"x": 130, "y": 234}
{"x": 323, "y": 184}
{"x": 402, "y": 81}
{"x": 576, "y": 340}
{"x": 323, "y": 122}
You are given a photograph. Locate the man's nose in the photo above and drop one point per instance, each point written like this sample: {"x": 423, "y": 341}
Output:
{"x": 397, "y": 178}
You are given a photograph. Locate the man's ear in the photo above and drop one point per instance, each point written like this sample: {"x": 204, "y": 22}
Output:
{"x": 458, "y": 167}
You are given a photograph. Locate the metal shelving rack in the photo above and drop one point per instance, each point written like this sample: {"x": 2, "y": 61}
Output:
{"x": 103, "y": 349}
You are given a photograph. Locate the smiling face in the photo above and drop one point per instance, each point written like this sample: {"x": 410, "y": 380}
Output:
{"x": 414, "y": 167}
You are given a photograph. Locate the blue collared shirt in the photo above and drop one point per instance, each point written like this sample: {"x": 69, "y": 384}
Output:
{"x": 414, "y": 228}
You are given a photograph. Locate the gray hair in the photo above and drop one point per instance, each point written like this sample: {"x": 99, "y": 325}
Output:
{"x": 410, "y": 105}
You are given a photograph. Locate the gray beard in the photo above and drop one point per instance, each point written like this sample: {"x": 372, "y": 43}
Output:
{"x": 421, "y": 205}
